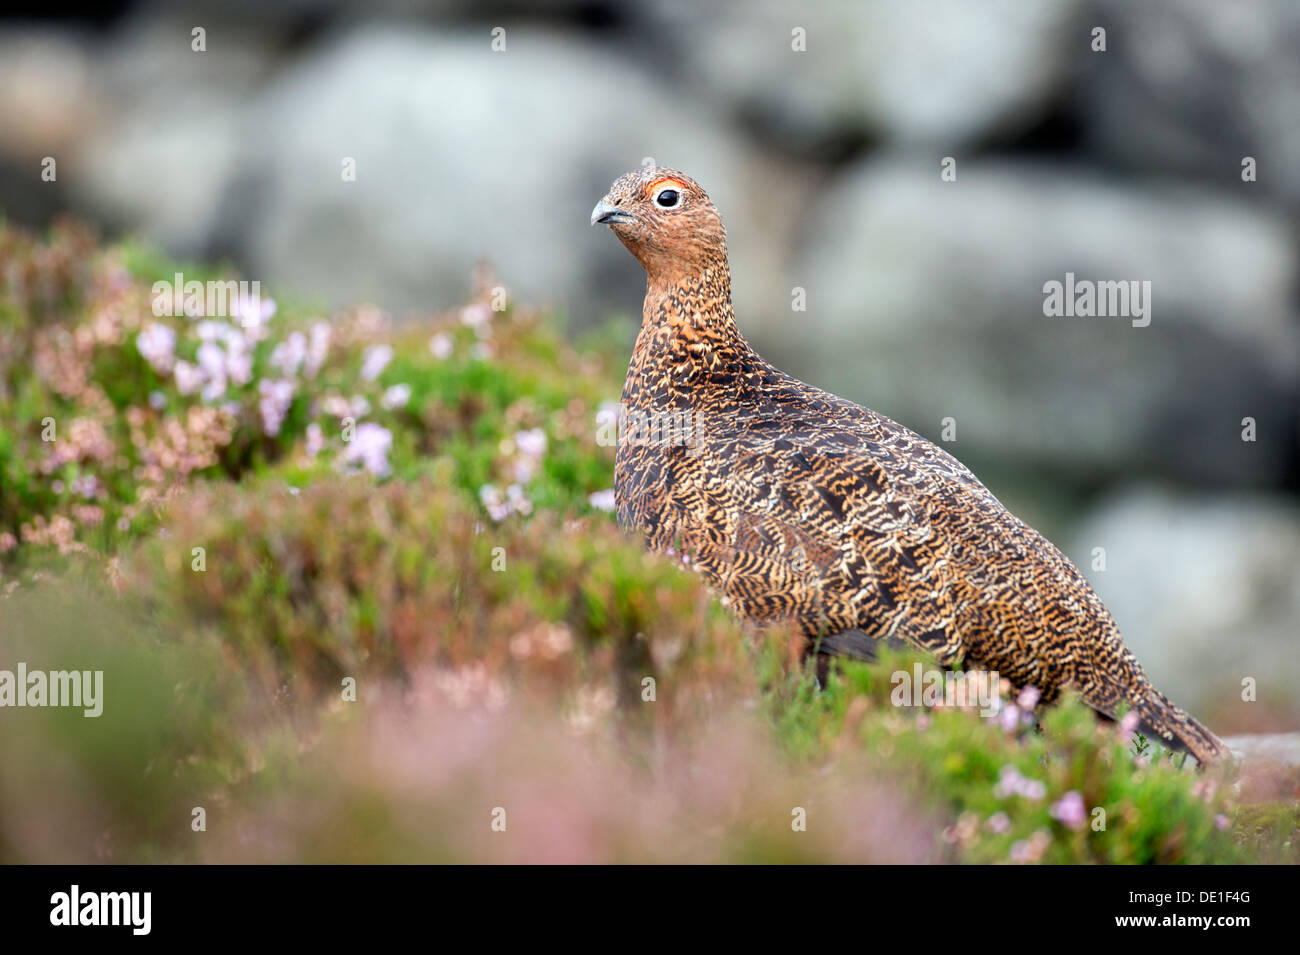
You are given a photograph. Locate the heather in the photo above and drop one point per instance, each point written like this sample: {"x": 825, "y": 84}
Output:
{"x": 357, "y": 596}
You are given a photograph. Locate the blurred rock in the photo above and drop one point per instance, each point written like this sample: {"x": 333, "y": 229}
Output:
{"x": 1196, "y": 85}
{"x": 912, "y": 71}
{"x": 1281, "y": 748}
{"x": 164, "y": 148}
{"x": 201, "y": 155}
{"x": 925, "y": 300}
{"x": 47, "y": 99}
{"x": 1205, "y": 589}
{"x": 45, "y": 91}
{"x": 448, "y": 171}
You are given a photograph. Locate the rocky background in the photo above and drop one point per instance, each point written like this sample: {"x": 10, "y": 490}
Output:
{"x": 924, "y": 297}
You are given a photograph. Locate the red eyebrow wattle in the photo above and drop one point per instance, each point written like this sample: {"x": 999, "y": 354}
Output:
{"x": 663, "y": 179}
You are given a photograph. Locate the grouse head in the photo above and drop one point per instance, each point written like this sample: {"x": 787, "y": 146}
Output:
{"x": 666, "y": 220}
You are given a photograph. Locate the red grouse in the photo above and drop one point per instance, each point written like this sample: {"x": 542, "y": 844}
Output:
{"x": 796, "y": 504}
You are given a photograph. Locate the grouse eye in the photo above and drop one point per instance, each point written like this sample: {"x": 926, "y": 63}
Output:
{"x": 668, "y": 198}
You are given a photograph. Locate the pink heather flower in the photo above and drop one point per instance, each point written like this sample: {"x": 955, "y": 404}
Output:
{"x": 1221, "y": 821}
{"x": 240, "y": 367}
{"x": 1009, "y": 718}
{"x": 212, "y": 360}
{"x": 315, "y": 439}
{"x": 210, "y": 331}
{"x": 476, "y": 316}
{"x": 530, "y": 447}
{"x": 318, "y": 347}
{"x": 398, "y": 396}
{"x": 157, "y": 345}
{"x": 518, "y": 501}
{"x": 1128, "y": 725}
{"x": 213, "y": 389}
{"x": 1069, "y": 810}
{"x": 336, "y": 406}
{"x": 602, "y": 500}
{"x": 1027, "y": 851}
{"x": 288, "y": 356}
{"x": 239, "y": 357}
{"x": 500, "y": 506}
{"x": 374, "y": 360}
{"x": 999, "y": 823}
{"x": 440, "y": 346}
{"x": 276, "y": 397}
{"x": 369, "y": 448}
{"x": 1028, "y": 698}
{"x": 531, "y": 443}
{"x": 87, "y": 485}
{"x": 188, "y": 378}
{"x": 1008, "y": 782}
{"x": 1011, "y": 783}
{"x": 359, "y": 407}
{"x": 493, "y": 502}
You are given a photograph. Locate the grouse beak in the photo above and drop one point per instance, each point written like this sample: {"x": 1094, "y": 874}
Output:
{"x": 607, "y": 214}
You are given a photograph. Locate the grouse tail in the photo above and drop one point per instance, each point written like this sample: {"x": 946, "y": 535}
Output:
{"x": 1178, "y": 729}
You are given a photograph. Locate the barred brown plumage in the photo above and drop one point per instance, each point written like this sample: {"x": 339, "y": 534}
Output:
{"x": 800, "y": 505}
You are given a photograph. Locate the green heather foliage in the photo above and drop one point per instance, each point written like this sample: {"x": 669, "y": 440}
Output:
{"x": 351, "y": 596}
{"x": 347, "y": 578}
{"x": 1006, "y": 790}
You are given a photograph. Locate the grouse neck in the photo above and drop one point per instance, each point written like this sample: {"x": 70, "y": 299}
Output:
{"x": 692, "y": 308}
{"x": 689, "y": 351}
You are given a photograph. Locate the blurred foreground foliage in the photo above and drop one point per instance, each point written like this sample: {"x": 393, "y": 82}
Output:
{"x": 354, "y": 601}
